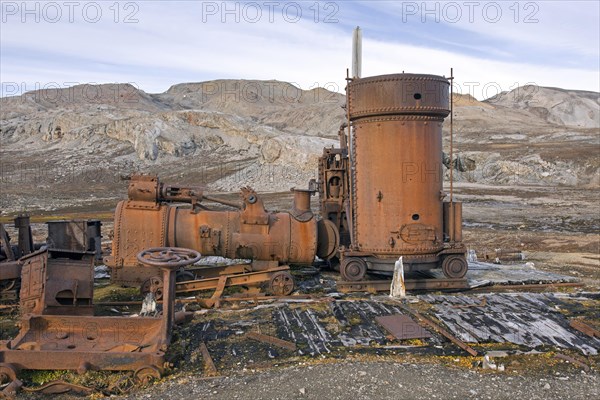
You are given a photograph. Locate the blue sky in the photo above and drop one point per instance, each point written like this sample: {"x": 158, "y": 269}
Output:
{"x": 492, "y": 46}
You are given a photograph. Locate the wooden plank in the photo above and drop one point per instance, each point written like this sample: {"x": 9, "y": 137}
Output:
{"x": 582, "y": 327}
{"x": 209, "y": 365}
{"x": 272, "y": 340}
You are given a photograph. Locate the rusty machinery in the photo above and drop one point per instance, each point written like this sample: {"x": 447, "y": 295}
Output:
{"x": 381, "y": 197}
{"x": 10, "y": 265}
{"x": 77, "y": 340}
{"x": 157, "y": 214}
{"x": 383, "y": 187}
{"x": 67, "y": 240}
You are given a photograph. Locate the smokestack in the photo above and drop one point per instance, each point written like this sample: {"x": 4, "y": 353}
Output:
{"x": 356, "y": 52}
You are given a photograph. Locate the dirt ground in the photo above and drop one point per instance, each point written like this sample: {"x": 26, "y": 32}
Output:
{"x": 556, "y": 228}
{"x": 380, "y": 380}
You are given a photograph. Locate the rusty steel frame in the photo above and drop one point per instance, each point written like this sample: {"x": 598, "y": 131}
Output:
{"x": 245, "y": 279}
{"x": 218, "y": 278}
{"x": 75, "y": 236}
{"x": 83, "y": 343}
{"x": 411, "y": 284}
{"x": 63, "y": 285}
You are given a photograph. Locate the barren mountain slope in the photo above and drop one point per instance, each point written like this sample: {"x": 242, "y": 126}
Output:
{"x": 67, "y": 147}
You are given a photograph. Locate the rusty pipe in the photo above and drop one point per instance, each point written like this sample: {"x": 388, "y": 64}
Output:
{"x": 222, "y": 201}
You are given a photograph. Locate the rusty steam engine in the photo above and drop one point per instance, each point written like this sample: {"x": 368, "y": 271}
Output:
{"x": 381, "y": 198}
{"x": 383, "y": 188}
{"x": 156, "y": 215}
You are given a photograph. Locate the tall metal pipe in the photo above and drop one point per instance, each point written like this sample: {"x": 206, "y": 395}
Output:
{"x": 357, "y": 52}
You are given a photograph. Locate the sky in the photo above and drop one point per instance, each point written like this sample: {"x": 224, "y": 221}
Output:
{"x": 492, "y": 46}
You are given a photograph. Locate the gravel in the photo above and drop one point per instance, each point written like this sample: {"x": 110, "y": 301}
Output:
{"x": 379, "y": 381}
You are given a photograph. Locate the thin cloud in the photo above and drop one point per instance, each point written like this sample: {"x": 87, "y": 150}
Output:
{"x": 175, "y": 42}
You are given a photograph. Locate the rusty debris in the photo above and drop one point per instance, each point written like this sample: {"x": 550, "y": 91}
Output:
{"x": 59, "y": 387}
{"x": 82, "y": 236}
{"x": 573, "y": 360}
{"x": 57, "y": 283}
{"x": 534, "y": 287}
{"x": 402, "y": 327}
{"x": 584, "y": 327}
{"x": 7, "y": 252}
{"x": 411, "y": 284}
{"x": 82, "y": 343}
{"x": 500, "y": 255}
{"x": 209, "y": 365}
{"x": 10, "y": 266}
{"x": 436, "y": 327}
{"x": 271, "y": 340}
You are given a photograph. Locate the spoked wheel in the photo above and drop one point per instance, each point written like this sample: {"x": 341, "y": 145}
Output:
{"x": 281, "y": 284}
{"x": 8, "y": 376}
{"x": 454, "y": 266}
{"x": 146, "y": 374}
{"x": 353, "y": 269}
{"x": 8, "y": 373}
{"x": 152, "y": 285}
{"x": 168, "y": 257}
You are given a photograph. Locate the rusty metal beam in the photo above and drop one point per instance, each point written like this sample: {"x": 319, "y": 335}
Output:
{"x": 59, "y": 387}
{"x": 10, "y": 270}
{"x": 251, "y": 278}
{"x": 584, "y": 328}
{"x": 573, "y": 360}
{"x": 209, "y": 365}
{"x": 411, "y": 284}
{"x": 272, "y": 340}
{"x": 528, "y": 287}
{"x": 5, "y": 244}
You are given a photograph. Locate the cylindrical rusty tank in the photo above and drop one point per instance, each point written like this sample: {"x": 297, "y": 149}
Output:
{"x": 395, "y": 151}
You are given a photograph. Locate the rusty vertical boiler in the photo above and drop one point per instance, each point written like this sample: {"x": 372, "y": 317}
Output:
{"x": 396, "y": 200}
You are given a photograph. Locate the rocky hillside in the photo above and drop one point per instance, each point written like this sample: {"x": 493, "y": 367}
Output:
{"x": 61, "y": 147}
{"x": 531, "y": 135}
